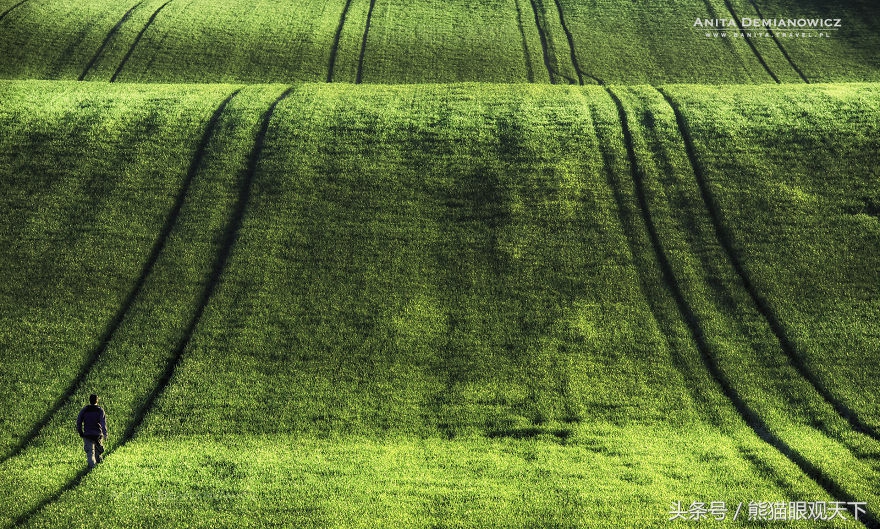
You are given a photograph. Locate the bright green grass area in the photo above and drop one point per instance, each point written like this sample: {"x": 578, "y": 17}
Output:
{"x": 430, "y": 41}
{"x": 446, "y": 295}
{"x": 128, "y": 371}
{"x": 617, "y": 477}
{"x": 249, "y": 42}
{"x": 797, "y": 181}
{"x": 87, "y": 184}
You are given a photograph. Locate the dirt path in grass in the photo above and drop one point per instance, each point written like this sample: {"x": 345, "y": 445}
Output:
{"x": 107, "y": 40}
{"x": 137, "y": 39}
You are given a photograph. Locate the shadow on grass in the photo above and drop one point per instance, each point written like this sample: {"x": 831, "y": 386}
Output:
{"x": 530, "y": 432}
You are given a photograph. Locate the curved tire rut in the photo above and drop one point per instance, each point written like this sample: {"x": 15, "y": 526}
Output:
{"x": 687, "y": 313}
{"x": 360, "y": 69}
{"x": 749, "y": 42}
{"x": 780, "y": 46}
{"x": 334, "y": 50}
{"x": 530, "y": 72}
{"x": 137, "y": 40}
{"x": 725, "y": 239}
{"x": 11, "y": 9}
{"x": 107, "y": 40}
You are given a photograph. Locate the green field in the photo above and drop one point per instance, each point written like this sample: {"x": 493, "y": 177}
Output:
{"x": 509, "y": 263}
{"x": 423, "y": 282}
{"x": 431, "y": 41}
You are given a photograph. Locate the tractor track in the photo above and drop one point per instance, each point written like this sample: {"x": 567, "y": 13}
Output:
{"x": 334, "y": 50}
{"x": 530, "y": 72}
{"x": 11, "y": 9}
{"x": 780, "y": 46}
{"x": 570, "y": 38}
{"x": 749, "y": 41}
{"x": 230, "y": 236}
{"x": 146, "y": 271}
{"x": 107, "y": 39}
{"x": 158, "y": 247}
{"x": 360, "y": 71}
{"x": 726, "y": 240}
{"x": 545, "y": 47}
{"x": 137, "y": 39}
{"x": 749, "y": 416}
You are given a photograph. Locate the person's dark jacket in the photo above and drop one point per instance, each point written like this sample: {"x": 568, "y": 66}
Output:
{"x": 91, "y": 422}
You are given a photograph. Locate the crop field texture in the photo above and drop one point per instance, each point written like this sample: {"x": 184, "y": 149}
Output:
{"x": 425, "y": 281}
{"x": 507, "y": 263}
{"x": 432, "y": 41}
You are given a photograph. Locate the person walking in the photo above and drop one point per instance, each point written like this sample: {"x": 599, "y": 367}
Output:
{"x": 91, "y": 425}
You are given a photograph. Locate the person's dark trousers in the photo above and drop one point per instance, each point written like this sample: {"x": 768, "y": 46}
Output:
{"x": 94, "y": 448}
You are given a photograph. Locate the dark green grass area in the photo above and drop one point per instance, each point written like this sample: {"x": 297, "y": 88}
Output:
{"x": 435, "y": 303}
{"x": 412, "y": 261}
{"x": 631, "y": 43}
{"x": 177, "y": 41}
{"x": 850, "y": 52}
{"x": 55, "y": 40}
{"x": 448, "y": 41}
{"x": 433, "y": 41}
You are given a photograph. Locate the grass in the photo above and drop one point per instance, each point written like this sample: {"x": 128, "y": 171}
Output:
{"x": 434, "y": 303}
{"x": 850, "y": 53}
{"x": 129, "y": 369}
{"x": 739, "y": 338}
{"x": 461, "y": 41}
{"x": 429, "y": 41}
{"x": 808, "y": 237}
{"x": 78, "y": 229}
{"x": 621, "y": 476}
